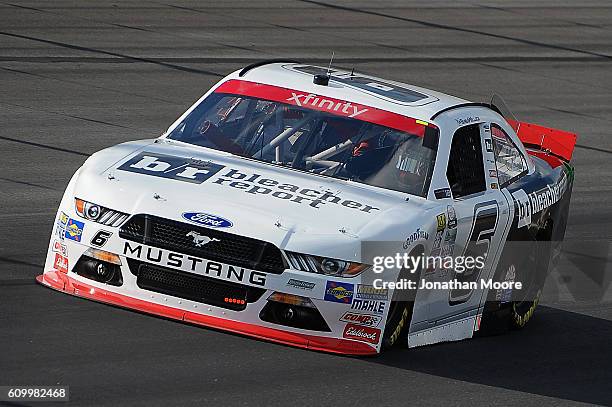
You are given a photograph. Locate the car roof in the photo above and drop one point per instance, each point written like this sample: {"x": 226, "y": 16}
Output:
{"x": 397, "y": 97}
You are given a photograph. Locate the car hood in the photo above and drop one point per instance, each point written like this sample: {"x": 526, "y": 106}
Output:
{"x": 286, "y": 207}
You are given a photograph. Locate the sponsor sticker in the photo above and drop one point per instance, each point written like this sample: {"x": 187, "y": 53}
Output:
{"x": 494, "y": 185}
{"x": 171, "y": 167}
{"x": 60, "y": 232}
{"x": 74, "y": 230}
{"x": 438, "y": 239}
{"x": 447, "y": 250}
{"x": 304, "y": 285}
{"x": 451, "y": 216}
{"x": 59, "y": 247}
{"x": 368, "y": 292}
{"x": 207, "y": 219}
{"x": 504, "y": 295}
{"x": 377, "y": 307}
{"x": 60, "y": 226}
{"x": 339, "y": 292}
{"x": 489, "y": 145}
{"x": 61, "y": 263}
{"x": 416, "y": 236}
{"x": 325, "y": 104}
{"x": 361, "y": 319}
{"x": 441, "y": 222}
{"x": 493, "y": 173}
{"x": 361, "y": 333}
{"x": 62, "y": 220}
{"x": 198, "y": 171}
{"x": 451, "y": 236}
{"x": 534, "y": 202}
{"x": 442, "y": 193}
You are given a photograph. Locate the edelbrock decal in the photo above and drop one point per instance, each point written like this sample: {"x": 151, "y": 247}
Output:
{"x": 207, "y": 219}
{"x": 61, "y": 263}
{"x": 197, "y": 172}
{"x": 361, "y": 333}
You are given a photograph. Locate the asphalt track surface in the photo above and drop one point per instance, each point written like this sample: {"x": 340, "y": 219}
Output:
{"x": 76, "y": 77}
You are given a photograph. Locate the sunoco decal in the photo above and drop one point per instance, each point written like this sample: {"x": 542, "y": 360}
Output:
{"x": 74, "y": 230}
{"x": 339, "y": 292}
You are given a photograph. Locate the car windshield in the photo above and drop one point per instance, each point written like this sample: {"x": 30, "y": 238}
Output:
{"x": 303, "y": 138}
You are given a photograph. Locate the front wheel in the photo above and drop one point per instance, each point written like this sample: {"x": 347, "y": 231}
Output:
{"x": 400, "y": 311}
{"x": 398, "y": 321}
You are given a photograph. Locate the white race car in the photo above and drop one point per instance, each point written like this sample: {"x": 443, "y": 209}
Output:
{"x": 252, "y": 212}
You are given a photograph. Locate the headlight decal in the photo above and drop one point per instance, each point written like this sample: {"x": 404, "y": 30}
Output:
{"x": 325, "y": 265}
{"x": 100, "y": 214}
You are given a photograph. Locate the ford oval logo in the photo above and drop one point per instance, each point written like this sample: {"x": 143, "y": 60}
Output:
{"x": 206, "y": 219}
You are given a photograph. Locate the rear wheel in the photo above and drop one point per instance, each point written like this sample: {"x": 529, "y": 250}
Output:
{"x": 522, "y": 311}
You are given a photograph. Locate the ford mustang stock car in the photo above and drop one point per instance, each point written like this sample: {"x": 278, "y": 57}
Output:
{"x": 249, "y": 214}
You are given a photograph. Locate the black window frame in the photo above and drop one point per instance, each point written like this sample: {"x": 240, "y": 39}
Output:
{"x": 476, "y": 134}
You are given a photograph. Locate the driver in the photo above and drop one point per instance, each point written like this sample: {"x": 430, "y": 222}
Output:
{"x": 391, "y": 159}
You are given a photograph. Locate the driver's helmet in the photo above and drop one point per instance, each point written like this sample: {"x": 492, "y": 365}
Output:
{"x": 392, "y": 155}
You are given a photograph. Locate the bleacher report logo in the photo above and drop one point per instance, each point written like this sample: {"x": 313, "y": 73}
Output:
{"x": 198, "y": 171}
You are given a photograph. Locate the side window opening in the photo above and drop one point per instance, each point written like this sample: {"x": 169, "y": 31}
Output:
{"x": 465, "y": 170}
{"x": 509, "y": 161}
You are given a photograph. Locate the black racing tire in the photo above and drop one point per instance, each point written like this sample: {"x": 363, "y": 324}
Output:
{"x": 397, "y": 324}
{"x": 400, "y": 311}
{"x": 522, "y": 312}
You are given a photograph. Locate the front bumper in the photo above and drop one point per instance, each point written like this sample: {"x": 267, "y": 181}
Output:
{"x": 63, "y": 282}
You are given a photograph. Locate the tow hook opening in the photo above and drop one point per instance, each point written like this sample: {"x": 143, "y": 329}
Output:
{"x": 294, "y": 311}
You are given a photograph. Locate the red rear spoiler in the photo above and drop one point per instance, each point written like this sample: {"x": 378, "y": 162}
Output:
{"x": 557, "y": 142}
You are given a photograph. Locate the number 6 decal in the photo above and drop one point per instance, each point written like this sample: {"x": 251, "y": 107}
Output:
{"x": 483, "y": 228}
{"x": 101, "y": 238}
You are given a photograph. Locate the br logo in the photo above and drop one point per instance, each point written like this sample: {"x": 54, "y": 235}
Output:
{"x": 167, "y": 166}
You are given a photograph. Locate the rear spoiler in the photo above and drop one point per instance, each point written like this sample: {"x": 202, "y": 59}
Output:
{"x": 552, "y": 141}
